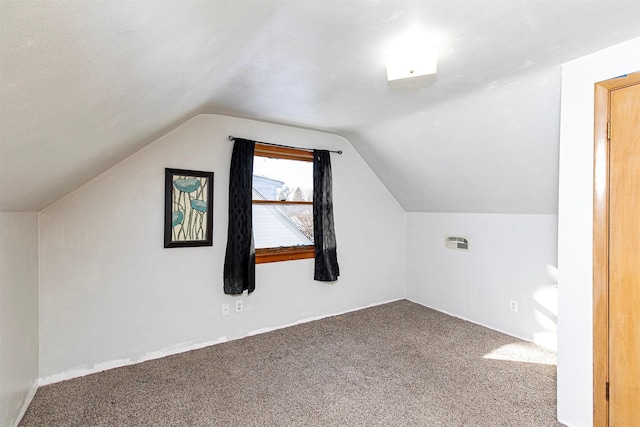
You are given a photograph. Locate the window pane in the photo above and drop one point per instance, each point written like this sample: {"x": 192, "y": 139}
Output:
{"x": 280, "y": 179}
{"x": 276, "y": 226}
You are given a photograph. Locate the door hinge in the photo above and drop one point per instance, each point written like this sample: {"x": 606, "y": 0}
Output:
{"x": 609, "y": 130}
{"x": 607, "y": 391}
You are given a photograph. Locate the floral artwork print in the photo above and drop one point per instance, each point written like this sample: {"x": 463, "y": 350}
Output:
{"x": 188, "y": 195}
{"x": 188, "y": 220}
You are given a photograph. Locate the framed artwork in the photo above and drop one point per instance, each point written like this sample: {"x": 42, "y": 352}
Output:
{"x": 188, "y": 208}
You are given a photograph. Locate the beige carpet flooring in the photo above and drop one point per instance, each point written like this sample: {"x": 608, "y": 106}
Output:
{"x": 397, "y": 364}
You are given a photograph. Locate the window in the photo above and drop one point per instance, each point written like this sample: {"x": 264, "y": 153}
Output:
{"x": 282, "y": 203}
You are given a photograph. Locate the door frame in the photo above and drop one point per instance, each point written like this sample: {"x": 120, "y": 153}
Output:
{"x": 601, "y": 243}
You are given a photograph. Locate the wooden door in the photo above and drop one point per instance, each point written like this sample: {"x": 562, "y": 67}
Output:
{"x": 617, "y": 254}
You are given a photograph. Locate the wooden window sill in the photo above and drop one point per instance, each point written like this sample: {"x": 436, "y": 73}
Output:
{"x": 264, "y": 256}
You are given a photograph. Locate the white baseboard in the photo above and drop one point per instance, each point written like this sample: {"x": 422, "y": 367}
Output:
{"x": 323, "y": 316}
{"x": 180, "y": 348}
{"x": 475, "y": 321}
{"x": 27, "y": 401}
{"x": 111, "y": 364}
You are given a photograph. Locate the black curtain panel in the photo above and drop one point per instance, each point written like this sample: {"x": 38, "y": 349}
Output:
{"x": 240, "y": 258}
{"x": 326, "y": 258}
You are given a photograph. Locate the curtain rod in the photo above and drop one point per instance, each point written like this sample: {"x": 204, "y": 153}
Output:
{"x": 232, "y": 138}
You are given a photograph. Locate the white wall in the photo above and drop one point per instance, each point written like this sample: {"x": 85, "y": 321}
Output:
{"x": 510, "y": 257}
{"x": 18, "y": 314}
{"x": 110, "y": 294}
{"x": 575, "y": 225}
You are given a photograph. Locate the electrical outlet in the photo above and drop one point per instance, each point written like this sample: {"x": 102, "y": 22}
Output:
{"x": 225, "y": 309}
{"x": 239, "y": 306}
{"x": 513, "y": 305}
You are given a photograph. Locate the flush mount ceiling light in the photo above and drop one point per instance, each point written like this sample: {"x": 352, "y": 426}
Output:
{"x": 412, "y": 56}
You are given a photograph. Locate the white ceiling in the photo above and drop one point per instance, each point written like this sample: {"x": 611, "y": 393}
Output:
{"x": 84, "y": 84}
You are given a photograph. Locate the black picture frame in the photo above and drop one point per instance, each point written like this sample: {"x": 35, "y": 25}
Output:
{"x": 188, "y": 208}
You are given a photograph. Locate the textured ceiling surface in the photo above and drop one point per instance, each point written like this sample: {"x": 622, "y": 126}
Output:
{"x": 84, "y": 84}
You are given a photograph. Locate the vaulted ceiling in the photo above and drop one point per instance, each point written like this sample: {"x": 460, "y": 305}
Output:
{"x": 84, "y": 84}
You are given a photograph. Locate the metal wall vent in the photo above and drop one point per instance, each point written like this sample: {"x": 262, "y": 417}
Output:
{"x": 460, "y": 243}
